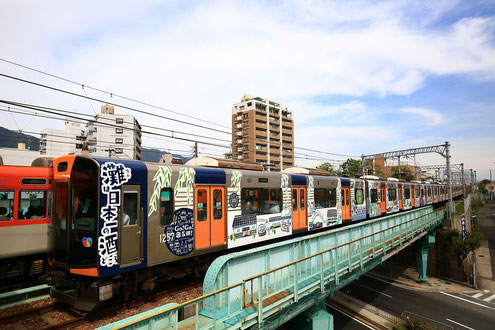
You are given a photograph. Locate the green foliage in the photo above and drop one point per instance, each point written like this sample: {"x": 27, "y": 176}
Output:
{"x": 470, "y": 244}
{"x": 351, "y": 167}
{"x": 405, "y": 173}
{"x": 482, "y": 185}
{"x": 459, "y": 208}
{"x": 326, "y": 166}
{"x": 399, "y": 326}
{"x": 378, "y": 170}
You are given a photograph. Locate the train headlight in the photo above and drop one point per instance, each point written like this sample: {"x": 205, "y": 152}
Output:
{"x": 105, "y": 292}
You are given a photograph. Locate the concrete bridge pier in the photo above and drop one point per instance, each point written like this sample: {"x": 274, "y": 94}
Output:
{"x": 315, "y": 317}
{"x": 422, "y": 246}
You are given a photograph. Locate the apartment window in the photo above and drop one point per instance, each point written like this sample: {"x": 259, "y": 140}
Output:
{"x": 249, "y": 104}
{"x": 246, "y": 139}
{"x": 119, "y": 140}
{"x": 79, "y": 145}
{"x": 245, "y": 131}
{"x": 246, "y": 116}
{"x": 119, "y": 120}
{"x": 119, "y": 131}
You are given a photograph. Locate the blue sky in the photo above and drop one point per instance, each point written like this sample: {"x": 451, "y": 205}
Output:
{"x": 360, "y": 76}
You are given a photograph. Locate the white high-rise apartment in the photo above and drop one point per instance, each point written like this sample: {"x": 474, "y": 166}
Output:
{"x": 54, "y": 143}
{"x": 114, "y": 135}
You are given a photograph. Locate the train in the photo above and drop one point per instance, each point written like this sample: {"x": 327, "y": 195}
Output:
{"x": 119, "y": 225}
{"x": 26, "y": 194}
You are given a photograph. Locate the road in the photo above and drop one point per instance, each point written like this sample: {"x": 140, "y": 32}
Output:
{"x": 462, "y": 311}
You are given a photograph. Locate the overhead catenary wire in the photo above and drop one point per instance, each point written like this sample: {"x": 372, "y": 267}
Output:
{"x": 125, "y": 122}
{"x": 115, "y": 125}
{"x": 152, "y": 114}
{"x": 111, "y": 103}
{"x": 109, "y": 93}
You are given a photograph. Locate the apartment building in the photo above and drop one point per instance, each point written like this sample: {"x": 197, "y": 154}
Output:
{"x": 114, "y": 135}
{"x": 54, "y": 143}
{"x": 262, "y": 132}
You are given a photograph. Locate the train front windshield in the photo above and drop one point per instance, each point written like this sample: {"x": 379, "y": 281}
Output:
{"x": 76, "y": 216}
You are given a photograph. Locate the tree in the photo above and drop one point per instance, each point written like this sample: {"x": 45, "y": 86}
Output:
{"x": 351, "y": 167}
{"x": 481, "y": 186}
{"x": 405, "y": 173}
{"x": 326, "y": 166}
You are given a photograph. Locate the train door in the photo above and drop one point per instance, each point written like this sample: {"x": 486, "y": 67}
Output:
{"x": 299, "y": 217}
{"x": 411, "y": 188}
{"x": 209, "y": 219}
{"x": 400, "y": 197}
{"x": 131, "y": 226}
{"x": 346, "y": 203}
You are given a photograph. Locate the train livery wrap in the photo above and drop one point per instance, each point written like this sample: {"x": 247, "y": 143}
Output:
{"x": 121, "y": 224}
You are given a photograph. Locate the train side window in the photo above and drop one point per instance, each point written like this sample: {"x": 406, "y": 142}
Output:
{"x": 250, "y": 201}
{"x": 130, "y": 208}
{"x": 217, "y": 204}
{"x": 303, "y": 202}
{"x": 321, "y": 198}
{"x": 272, "y": 201}
{"x": 359, "y": 196}
{"x": 33, "y": 181}
{"x": 392, "y": 194}
{"x": 294, "y": 199}
{"x": 32, "y": 204}
{"x": 202, "y": 205}
{"x": 407, "y": 193}
{"x": 166, "y": 206}
{"x": 6, "y": 205}
{"x": 374, "y": 195}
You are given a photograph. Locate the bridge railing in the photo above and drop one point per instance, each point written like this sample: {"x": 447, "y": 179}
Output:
{"x": 255, "y": 299}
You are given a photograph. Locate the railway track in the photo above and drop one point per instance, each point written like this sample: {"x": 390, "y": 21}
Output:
{"x": 52, "y": 315}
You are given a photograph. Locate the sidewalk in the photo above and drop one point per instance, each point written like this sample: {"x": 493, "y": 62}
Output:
{"x": 485, "y": 255}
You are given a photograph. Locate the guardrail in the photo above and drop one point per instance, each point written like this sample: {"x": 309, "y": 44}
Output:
{"x": 256, "y": 299}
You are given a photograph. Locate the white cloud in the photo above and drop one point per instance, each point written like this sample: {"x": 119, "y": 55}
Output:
{"x": 426, "y": 116}
{"x": 200, "y": 57}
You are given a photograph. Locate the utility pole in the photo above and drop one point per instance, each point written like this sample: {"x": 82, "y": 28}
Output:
{"x": 363, "y": 166}
{"x": 449, "y": 179}
{"x": 462, "y": 180}
{"x": 195, "y": 149}
{"x": 398, "y": 161}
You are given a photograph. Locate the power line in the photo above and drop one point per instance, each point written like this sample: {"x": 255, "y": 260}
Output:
{"x": 125, "y": 122}
{"x": 110, "y": 103}
{"x": 137, "y": 110}
{"x": 109, "y": 93}
{"x": 111, "y": 125}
